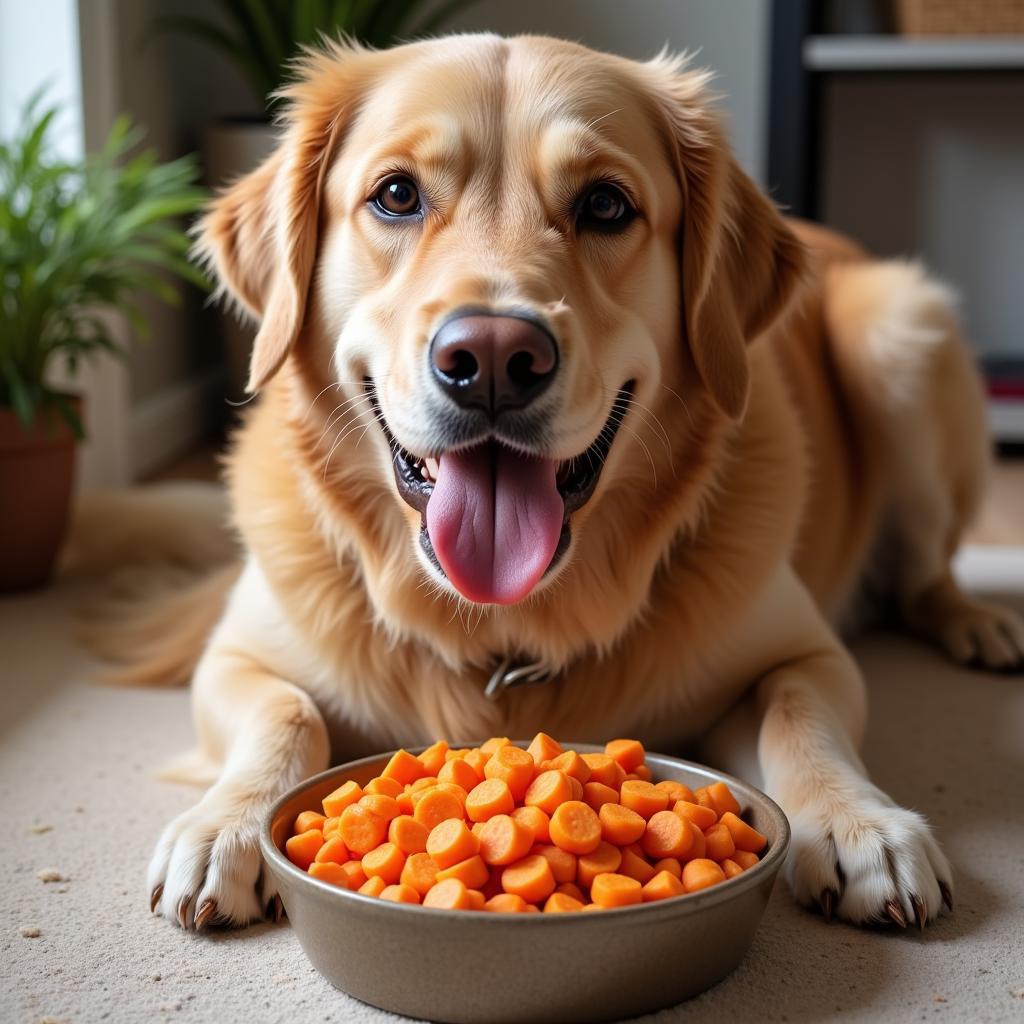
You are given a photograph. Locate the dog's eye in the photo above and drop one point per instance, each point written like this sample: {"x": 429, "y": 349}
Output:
{"x": 604, "y": 207}
{"x": 398, "y": 197}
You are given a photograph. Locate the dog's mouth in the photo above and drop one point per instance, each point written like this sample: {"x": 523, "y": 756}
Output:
{"x": 495, "y": 519}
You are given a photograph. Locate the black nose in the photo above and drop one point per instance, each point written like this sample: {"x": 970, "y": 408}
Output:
{"x": 492, "y": 361}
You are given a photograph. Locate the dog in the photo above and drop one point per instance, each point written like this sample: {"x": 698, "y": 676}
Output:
{"x": 549, "y": 388}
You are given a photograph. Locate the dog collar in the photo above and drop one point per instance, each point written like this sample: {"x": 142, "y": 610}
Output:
{"x": 514, "y": 672}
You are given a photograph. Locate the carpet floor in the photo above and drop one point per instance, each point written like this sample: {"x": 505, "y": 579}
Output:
{"x": 83, "y": 810}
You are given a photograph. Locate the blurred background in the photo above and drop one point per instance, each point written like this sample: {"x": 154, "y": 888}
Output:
{"x": 896, "y": 121}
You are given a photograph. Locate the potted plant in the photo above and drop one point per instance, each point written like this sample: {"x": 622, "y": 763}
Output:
{"x": 77, "y": 240}
{"x": 259, "y": 37}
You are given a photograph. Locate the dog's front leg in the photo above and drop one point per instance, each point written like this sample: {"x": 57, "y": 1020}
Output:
{"x": 207, "y": 865}
{"x": 854, "y": 851}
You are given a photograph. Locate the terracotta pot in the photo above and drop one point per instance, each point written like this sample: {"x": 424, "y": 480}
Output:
{"x": 36, "y": 475}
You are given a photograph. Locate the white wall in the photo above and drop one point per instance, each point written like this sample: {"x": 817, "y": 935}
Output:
{"x": 731, "y": 35}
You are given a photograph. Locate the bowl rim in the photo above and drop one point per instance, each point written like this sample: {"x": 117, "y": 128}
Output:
{"x": 624, "y": 915}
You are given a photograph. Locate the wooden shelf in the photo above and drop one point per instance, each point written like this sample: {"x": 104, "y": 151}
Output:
{"x": 899, "y": 53}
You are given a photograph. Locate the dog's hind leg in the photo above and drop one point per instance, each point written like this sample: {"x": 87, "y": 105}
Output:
{"x": 909, "y": 376}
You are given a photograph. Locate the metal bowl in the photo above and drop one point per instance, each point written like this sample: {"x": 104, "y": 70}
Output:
{"x": 469, "y": 966}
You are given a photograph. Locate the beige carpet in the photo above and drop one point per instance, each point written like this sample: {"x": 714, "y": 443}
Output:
{"x": 79, "y": 801}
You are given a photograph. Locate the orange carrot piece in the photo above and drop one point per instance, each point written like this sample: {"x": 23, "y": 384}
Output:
{"x": 641, "y": 771}
{"x": 543, "y": 748}
{"x": 597, "y": 794}
{"x": 699, "y": 847}
{"x": 308, "y": 820}
{"x": 476, "y": 899}
{"x": 704, "y": 799}
{"x": 536, "y": 821}
{"x": 575, "y": 827}
{"x": 354, "y": 871}
{"x": 702, "y": 817}
{"x": 373, "y": 886}
{"x": 629, "y": 753}
{"x": 427, "y": 782}
{"x": 488, "y": 798}
{"x": 302, "y": 849}
{"x": 504, "y": 840}
{"x": 605, "y": 769}
{"x": 667, "y": 836}
{"x": 605, "y": 859}
{"x": 456, "y": 791}
{"x": 404, "y": 767}
{"x": 419, "y": 871}
{"x": 408, "y": 834}
{"x": 571, "y": 763}
{"x": 477, "y": 760}
{"x": 384, "y": 787}
{"x": 563, "y": 863}
{"x": 494, "y": 743}
{"x": 620, "y": 825}
{"x": 333, "y": 874}
{"x": 722, "y": 799}
{"x": 451, "y": 841}
{"x": 361, "y": 829}
{"x": 635, "y": 865}
{"x": 700, "y": 874}
{"x": 387, "y": 861}
{"x": 571, "y": 889}
{"x": 435, "y": 806}
{"x": 515, "y": 766}
{"x": 400, "y": 894}
{"x": 560, "y": 903}
{"x": 459, "y": 772}
{"x": 676, "y": 790}
{"x": 457, "y": 754}
{"x": 448, "y": 895}
{"x": 530, "y": 878}
{"x": 745, "y": 859}
{"x": 671, "y": 865}
{"x": 385, "y": 807}
{"x": 433, "y": 757}
{"x": 718, "y": 844}
{"x": 642, "y": 797}
{"x": 472, "y": 872}
{"x": 730, "y": 868}
{"x": 405, "y": 805}
{"x": 662, "y": 886}
{"x": 744, "y": 836}
{"x": 333, "y": 851}
{"x": 506, "y": 903}
{"x": 548, "y": 790}
{"x": 330, "y": 827}
{"x": 613, "y": 890}
{"x": 345, "y": 795}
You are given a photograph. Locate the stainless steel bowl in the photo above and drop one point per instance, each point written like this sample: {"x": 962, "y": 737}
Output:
{"x": 467, "y": 966}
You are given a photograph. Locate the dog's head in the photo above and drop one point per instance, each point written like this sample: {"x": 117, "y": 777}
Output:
{"x": 523, "y": 265}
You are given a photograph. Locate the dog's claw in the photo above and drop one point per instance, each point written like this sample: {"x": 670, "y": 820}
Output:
{"x": 828, "y": 900}
{"x": 154, "y": 897}
{"x": 276, "y": 909}
{"x": 920, "y": 911}
{"x": 183, "y": 910}
{"x": 947, "y": 896}
{"x": 207, "y": 910}
{"x": 895, "y": 913}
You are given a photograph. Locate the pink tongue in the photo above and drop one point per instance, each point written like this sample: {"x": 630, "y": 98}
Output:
{"x": 494, "y": 519}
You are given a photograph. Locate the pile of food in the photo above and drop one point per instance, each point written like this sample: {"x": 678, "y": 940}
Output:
{"x": 500, "y": 828}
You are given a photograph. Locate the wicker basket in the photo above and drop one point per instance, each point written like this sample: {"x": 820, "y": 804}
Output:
{"x": 959, "y": 17}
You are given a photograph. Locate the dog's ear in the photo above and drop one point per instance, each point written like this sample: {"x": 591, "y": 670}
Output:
{"x": 740, "y": 262}
{"x": 259, "y": 236}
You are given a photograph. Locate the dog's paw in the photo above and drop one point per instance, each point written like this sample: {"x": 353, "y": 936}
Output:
{"x": 867, "y": 861}
{"x": 985, "y": 635}
{"x": 207, "y": 868}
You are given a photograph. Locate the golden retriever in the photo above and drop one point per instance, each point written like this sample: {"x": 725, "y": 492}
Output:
{"x": 547, "y": 384}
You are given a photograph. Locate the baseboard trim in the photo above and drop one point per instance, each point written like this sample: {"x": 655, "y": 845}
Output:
{"x": 172, "y": 422}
